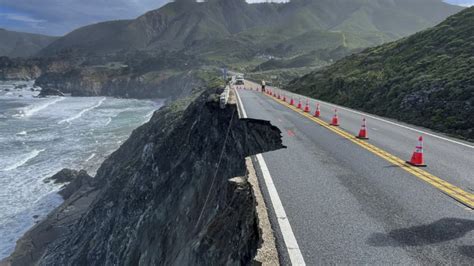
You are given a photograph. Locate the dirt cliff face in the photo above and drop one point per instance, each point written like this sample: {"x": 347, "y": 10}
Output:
{"x": 31, "y": 68}
{"x": 118, "y": 82}
{"x": 174, "y": 193}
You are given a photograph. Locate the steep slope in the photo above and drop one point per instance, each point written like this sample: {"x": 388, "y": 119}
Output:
{"x": 174, "y": 193}
{"x": 173, "y": 26}
{"x": 200, "y": 27}
{"x": 425, "y": 79}
{"x": 20, "y": 44}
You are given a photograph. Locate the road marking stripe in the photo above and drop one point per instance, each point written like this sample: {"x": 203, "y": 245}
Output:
{"x": 290, "y": 132}
{"x": 290, "y": 241}
{"x": 457, "y": 193}
{"x": 289, "y": 238}
{"x": 386, "y": 121}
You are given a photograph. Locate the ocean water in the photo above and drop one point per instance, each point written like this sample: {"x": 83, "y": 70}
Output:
{"x": 40, "y": 136}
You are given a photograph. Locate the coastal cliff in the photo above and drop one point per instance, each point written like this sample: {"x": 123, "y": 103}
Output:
{"x": 32, "y": 68}
{"x": 118, "y": 82}
{"x": 175, "y": 193}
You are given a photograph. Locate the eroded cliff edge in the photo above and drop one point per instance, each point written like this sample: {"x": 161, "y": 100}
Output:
{"x": 172, "y": 194}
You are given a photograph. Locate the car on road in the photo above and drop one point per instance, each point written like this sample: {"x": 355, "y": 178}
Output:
{"x": 239, "y": 80}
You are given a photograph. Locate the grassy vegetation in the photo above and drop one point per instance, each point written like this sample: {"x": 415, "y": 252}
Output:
{"x": 212, "y": 77}
{"x": 426, "y": 79}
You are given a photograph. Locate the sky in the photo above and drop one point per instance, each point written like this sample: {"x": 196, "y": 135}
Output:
{"x": 58, "y": 17}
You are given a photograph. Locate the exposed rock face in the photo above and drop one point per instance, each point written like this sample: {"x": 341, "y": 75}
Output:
{"x": 14, "y": 70}
{"x": 173, "y": 194}
{"x": 74, "y": 179}
{"x": 94, "y": 81}
{"x": 30, "y": 69}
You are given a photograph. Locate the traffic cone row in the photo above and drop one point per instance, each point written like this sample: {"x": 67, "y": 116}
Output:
{"x": 416, "y": 158}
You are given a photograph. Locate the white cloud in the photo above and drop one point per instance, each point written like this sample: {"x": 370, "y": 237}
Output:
{"x": 21, "y": 18}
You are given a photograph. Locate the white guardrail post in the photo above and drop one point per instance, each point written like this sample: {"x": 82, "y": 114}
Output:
{"x": 224, "y": 97}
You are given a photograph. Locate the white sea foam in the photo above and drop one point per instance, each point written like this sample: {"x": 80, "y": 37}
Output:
{"x": 25, "y": 158}
{"x": 108, "y": 121}
{"x": 22, "y": 190}
{"x": 33, "y": 109}
{"x": 149, "y": 115}
{"x": 78, "y": 115}
{"x": 22, "y": 133}
{"x": 90, "y": 157}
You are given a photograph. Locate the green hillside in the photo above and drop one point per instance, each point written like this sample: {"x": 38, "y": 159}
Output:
{"x": 20, "y": 44}
{"x": 425, "y": 79}
{"x": 216, "y": 28}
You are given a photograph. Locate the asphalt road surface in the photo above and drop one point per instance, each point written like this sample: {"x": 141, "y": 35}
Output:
{"x": 347, "y": 205}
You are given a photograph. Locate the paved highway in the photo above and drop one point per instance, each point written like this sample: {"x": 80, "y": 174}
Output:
{"x": 347, "y": 204}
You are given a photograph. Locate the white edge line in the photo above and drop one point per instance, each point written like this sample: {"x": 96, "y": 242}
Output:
{"x": 384, "y": 120}
{"x": 293, "y": 249}
{"x": 239, "y": 102}
{"x": 396, "y": 124}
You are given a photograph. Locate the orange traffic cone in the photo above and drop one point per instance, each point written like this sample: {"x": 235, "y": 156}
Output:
{"x": 306, "y": 107}
{"x": 292, "y": 102}
{"x": 317, "y": 113}
{"x": 417, "y": 157}
{"x": 299, "y": 104}
{"x": 284, "y": 98}
{"x": 335, "y": 119}
{"x": 363, "y": 130}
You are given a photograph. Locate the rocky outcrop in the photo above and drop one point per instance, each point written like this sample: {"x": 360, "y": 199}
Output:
{"x": 174, "y": 193}
{"x": 73, "y": 180}
{"x": 118, "y": 82}
{"x": 18, "y": 70}
{"x": 32, "y": 68}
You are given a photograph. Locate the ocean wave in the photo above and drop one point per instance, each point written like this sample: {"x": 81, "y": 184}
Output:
{"x": 78, "y": 115}
{"x": 22, "y": 133}
{"x": 31, "y": 110}
{"x": 108, "y": 121}
{"x": 27, "y": 157}
{"x": 149, "y": 115}
{"x": 90, "y": 157}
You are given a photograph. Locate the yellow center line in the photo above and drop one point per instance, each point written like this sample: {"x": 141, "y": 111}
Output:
{"x": 455, "y": 192}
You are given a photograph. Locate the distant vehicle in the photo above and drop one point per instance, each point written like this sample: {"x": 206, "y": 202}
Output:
{"x": 239, "y": 80}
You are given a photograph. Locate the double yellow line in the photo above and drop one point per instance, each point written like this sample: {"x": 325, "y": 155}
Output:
{"x": 455, "y": 192}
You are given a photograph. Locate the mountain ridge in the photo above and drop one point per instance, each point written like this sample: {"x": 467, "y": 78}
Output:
{"x": 181, "y": 25}
{"x": 22, "y": 44}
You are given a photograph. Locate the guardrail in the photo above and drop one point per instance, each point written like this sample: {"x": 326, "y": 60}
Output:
{"x": 224, "y": 98}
